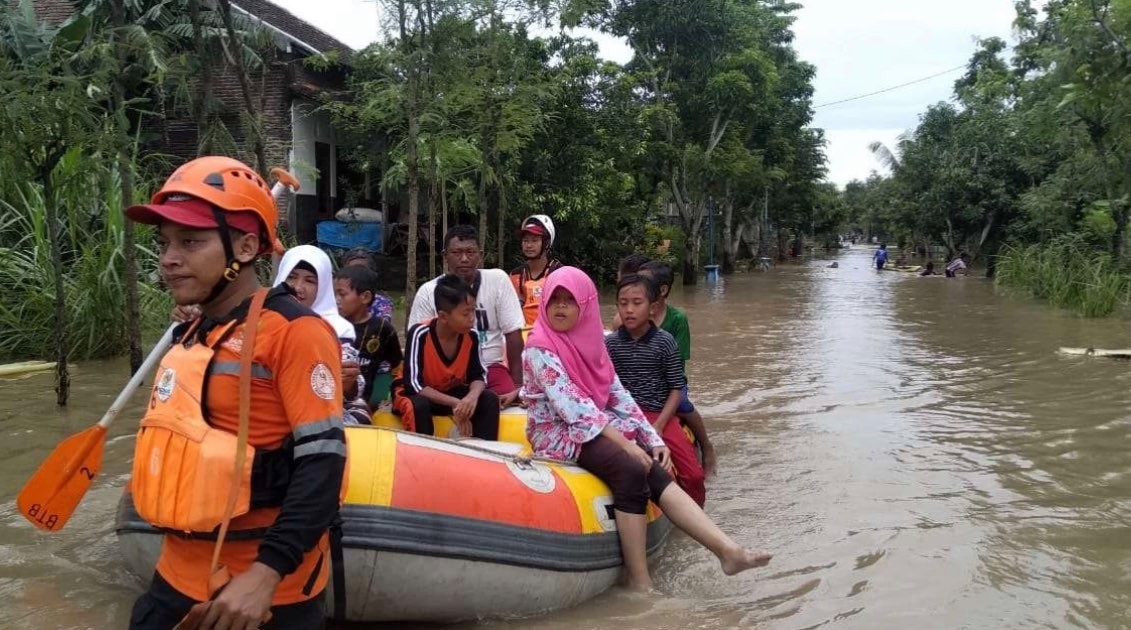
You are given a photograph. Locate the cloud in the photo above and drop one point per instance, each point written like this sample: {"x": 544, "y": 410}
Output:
{"x": 354, "y": 22}
{"x": 849, "y": 156}
{"x": 868, "y": 45}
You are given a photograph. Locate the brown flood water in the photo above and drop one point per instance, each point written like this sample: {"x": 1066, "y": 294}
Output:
{"x": 913, "y": 451}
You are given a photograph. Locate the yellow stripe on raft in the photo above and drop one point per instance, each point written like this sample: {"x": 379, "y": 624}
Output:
{"x": 369, "y": 449}
{"x": 585, "y": 488}
{"x": 512, "y": 425}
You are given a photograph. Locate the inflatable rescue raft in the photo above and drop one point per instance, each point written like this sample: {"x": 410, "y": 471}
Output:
{"x": 441, "y": 530}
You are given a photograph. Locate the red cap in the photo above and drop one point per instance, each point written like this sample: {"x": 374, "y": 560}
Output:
{"x": 535, "y": 229}
{"x": 194, "y": 213}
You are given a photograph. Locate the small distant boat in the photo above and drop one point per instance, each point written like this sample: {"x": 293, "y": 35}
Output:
{"x": 25, "y": 367}
{"x": 1098, "y": 352}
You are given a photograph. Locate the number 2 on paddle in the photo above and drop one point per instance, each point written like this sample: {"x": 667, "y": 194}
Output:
{"x": 42, "y": 517}
{"x": 88, "y": 472}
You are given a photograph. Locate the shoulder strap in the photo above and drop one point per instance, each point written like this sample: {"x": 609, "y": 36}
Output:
{"x": 219, "y": 575}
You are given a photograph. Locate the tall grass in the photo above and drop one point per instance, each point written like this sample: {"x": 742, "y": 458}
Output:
{"x": 92, "y": 270}
{"x": 1068, "y": 274}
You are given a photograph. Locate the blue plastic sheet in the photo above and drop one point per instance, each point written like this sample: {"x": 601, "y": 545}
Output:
{"x": 338, "y": 235}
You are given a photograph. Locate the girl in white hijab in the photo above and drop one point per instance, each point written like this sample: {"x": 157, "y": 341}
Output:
{"x": 309, "y": 273}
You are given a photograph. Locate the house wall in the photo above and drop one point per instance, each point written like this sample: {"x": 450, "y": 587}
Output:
{"x": 52, "y": 11}
{"x": 311, "y": 126}
{"x": 271, "y": 95}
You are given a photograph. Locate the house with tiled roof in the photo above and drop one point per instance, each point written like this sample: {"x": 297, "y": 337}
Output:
{"x": 297, "y": 136}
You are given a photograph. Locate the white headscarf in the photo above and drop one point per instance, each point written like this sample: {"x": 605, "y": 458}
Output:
{"x": 324, "y": 302}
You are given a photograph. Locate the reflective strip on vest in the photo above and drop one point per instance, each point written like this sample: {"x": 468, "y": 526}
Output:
{"x": 233, "y": 368}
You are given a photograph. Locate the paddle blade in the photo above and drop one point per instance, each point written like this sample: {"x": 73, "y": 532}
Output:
{"x": 51, "y": 495}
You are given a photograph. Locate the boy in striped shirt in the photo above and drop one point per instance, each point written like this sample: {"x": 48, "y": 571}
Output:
{"x": 647, "y": 361}
{"x": 674, "y": 320}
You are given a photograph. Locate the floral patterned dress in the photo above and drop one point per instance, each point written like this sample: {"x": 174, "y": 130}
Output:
{"x": 561, "y": 418}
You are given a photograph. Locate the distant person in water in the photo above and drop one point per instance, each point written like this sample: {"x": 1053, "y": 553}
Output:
{"x": 956, "y": 265}
{"x": 929, "y": 270}
{"x": 880, "y": 258}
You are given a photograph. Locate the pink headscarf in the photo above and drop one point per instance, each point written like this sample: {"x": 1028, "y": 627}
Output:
{"x": 581, "y": 349}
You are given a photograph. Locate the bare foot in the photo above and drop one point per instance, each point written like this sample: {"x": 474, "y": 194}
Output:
{"x": 740, "y": 559}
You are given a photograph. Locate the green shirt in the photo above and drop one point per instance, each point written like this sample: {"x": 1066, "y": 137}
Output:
{"x": 675, "y": 322}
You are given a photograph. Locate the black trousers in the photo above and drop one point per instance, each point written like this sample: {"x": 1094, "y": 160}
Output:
{"x": 162, "y": 607}
{"x": 484, "y": 422}
{"x": 631, "y": 484}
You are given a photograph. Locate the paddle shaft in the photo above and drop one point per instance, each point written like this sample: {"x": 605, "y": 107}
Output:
{"x": 139, "y": 376}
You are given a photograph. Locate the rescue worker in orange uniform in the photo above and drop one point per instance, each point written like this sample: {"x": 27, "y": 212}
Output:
{"x": 538, "y": 235}
{"x": 214, "y": 217}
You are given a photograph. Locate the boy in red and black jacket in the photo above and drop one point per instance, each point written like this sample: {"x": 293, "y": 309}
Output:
{"x": 443, "y": 374}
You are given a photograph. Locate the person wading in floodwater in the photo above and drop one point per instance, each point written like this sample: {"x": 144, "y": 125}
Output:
{"x": 880, "y": 258}
{"x": 214, "y": 217}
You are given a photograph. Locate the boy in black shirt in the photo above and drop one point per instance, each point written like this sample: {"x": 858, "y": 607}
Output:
{"x": 379, "y": 349}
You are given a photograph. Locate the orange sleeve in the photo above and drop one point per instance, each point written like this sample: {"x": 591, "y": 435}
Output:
{"x": 308, "y": 375}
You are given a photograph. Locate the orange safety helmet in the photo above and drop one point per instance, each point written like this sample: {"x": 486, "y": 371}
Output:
{"x": 224, "y": 183}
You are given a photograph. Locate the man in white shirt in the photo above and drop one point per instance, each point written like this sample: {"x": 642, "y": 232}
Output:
{"x": 498, "y": 314}
{"x": 956, "y": 265}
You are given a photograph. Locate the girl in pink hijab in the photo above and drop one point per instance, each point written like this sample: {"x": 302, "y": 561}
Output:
{"x": 579, "y": 411}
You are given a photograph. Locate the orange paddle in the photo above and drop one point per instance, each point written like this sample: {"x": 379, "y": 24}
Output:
{"x": 283, "y": 181}
{"x": 51, "y": 495}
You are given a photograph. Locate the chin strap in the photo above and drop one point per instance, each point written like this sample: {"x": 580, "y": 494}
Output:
{"x": 232, "y": 266}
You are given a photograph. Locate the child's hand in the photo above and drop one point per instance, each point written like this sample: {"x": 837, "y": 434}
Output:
{"x": 182, "y": 314}
{"x": 350, "y": 371}
{"x": 462, "y": 412}
{"x": 710, "y": 460}
{"x": 506, "y": 400}
{"x": 640, "y": 455}
{"x": 663, "y": 457}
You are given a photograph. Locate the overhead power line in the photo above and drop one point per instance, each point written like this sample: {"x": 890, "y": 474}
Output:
{"x": 892, "y": 88}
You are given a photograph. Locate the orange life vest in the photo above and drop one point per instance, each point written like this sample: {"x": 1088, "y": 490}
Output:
{"x": 180, "y": 461}
{"x": 184, "y": 463}
{"x": 529, "y": 289}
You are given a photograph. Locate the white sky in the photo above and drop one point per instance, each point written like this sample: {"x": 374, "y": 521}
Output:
{"x": 858, "y": 46}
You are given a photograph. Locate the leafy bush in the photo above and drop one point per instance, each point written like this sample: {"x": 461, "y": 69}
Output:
{"x": 1068, "y": 274}
{"x": 92, "y": 272}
